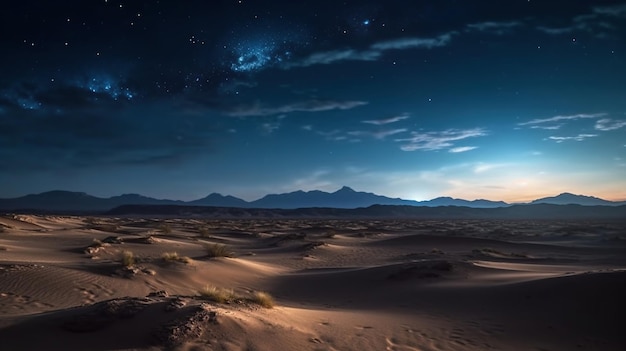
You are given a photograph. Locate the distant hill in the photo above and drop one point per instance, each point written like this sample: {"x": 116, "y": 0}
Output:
{"x": 569, "y": 199}
{"x": 68, "y": 201}
{"x": 448, "y": 201}
{"x": 344, "y": 198}
{"x": 216, "y": 199}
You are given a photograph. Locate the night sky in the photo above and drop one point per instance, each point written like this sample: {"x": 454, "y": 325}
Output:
{"x": 503, "y": 100}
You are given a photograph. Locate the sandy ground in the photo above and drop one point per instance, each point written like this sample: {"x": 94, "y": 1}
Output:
{"x": 337, "y": 285}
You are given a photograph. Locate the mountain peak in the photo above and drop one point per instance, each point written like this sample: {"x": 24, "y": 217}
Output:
{"x": 569, "y": 198}
{"x": 345, "y": 189}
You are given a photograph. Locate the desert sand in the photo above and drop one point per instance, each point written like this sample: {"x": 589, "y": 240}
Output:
{"x": 102, "y": 283}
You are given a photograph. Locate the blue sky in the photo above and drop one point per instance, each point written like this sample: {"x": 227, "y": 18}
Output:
{"x": 464, "y": 99}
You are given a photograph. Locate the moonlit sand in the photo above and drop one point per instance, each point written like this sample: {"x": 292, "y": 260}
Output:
{"x": 99, "y": 283}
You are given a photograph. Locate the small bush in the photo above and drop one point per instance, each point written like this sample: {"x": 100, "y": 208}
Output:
{"x": 218, "y": 250}
{"x": 215, "y": 294}
{"x": 204, "y": 232}
{"x": 128, "y": 259}
{"x": 263, "y": 299}
{"x": 165, "y": 228}
{"x": 174, "y": 257}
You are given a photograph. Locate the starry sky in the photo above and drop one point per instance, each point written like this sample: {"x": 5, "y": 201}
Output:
{"x": 502, "y": 100}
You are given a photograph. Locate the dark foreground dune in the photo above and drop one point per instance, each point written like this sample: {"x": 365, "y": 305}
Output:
{"x": 84, "y": 283}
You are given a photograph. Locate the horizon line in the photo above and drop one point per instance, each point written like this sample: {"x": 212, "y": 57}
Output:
{"x": 312, "y": 190}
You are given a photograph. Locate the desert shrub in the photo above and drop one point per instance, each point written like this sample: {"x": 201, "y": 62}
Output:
{"x": 263, "y": 299}
{"x": 91, "y": 220}
{"x": 165, "y": 228}
{"x": 174, "y": 257}
{"x": 128, "y": 259}
{"x": 204, "y": 232}
{"x": 218, "y": 250}
{"x": 215, "y": 294}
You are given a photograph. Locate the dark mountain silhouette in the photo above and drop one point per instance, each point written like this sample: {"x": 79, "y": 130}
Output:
{"x": 219, "y": 200}
{"x": 59, "y": 200}
{"x": 568, "y": 199}
{"x": 448, "y": 201}
{"x": 344, "y": 198}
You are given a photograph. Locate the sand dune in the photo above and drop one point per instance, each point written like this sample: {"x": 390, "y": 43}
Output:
{"x": 78, "y": 283}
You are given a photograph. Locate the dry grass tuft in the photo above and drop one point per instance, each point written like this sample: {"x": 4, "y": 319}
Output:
{"x": 128, "y": 259}
{"x": 165, "y": 228}
{"x": 174, "y": 257}
{"x": 215, "y": 294}
{"x": 218, "y": 250}
{"x": 263, "y": 299}
{"x": 204, "y": 232}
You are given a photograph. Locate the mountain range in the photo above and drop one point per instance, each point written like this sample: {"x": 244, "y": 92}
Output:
{"x": 344, "y": 198}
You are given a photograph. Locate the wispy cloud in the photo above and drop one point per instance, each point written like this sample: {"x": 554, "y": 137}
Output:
{"x": 557, "y": 30}
{"x": 552, "y": 127}
{"x": 373, "y": 53}
{"x": 579, "y": 137}
{"x": 494, "y": 27}
{"x": 380, "y": 122}
{"x": 484, "y": 167}
{"x": 612, "y": 10}
{"x": 607, "y": 124}
{"x": 302, "y": 106}
{"x": 460, "y": 149}
{"x": 328, "y": 57}
{"x": 316, "y": 180}
{"x": 378, "y": 134}
{"x": 562, "y": 118}
{"x": 598, "y": 22}
{"x": 413, "y": 42}
{"x": 270, "y": 127}
{"x": 430, "y": 141}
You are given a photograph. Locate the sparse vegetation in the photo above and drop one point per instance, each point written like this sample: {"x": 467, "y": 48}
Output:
{"x": 221, "y": 295}
{"x": 204, "y": 232}
{"x": 263, "y": 299}
{"x": 174, "y": 257}
{"x": 218, "y": 250}
{"x": 128, "y": 259}
{"x": 215, "y": 294}
{"x": 165, "y": 228}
